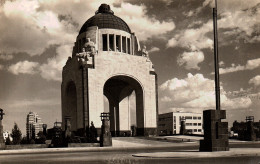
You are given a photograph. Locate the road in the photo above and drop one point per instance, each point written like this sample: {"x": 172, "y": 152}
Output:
{"x": 126, "y": 156}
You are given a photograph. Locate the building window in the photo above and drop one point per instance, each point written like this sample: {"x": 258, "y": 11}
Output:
{"x": 118, "y": 43}
{"x": 188, "y": 117}
{"x": 199, "y": 124}
{"x": 195, "y": 130}
{"x": 194, "y": 124}
{"x": 111, "y": 43}
{"x": 199, "y": 118}
{"x": 174, "y": 119}
{"x": 128, "y": 46}
{"x": 189, "y": 130}
{"x": 104, "y": 38}
{"x": 188, "y": 124}
{"x": 199, "y": 130}
{"x": 124, "y": 44}
{"x": 195, "y": 118}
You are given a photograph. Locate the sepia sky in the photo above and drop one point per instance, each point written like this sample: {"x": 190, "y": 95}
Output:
{"x": 36, "y": 38}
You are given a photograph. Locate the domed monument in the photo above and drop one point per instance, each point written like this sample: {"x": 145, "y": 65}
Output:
{"x": 107, "y": 61}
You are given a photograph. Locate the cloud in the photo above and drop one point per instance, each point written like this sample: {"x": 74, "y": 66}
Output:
{"x": 154, "y": 49}
{"x": 144, "y": 26}
{"x": 43, "y": 23}
{"x": 6, "y": 57}
{"x": 198, "y": 92}
{"x": 255, "y": 80}
{"x": 1, "y": 67}
{"x": 193, "y": 38}
{"x": 32, "y": 26}
{"x": 23, "y": 67}
{"x": 250, "y": 65}
{"x": 31, "y": 29}
{"x": 52, "y": 70}
{"x": 221, "y": 63}
{"x": 165, "y": 99}
{"x": 191, "y": 59}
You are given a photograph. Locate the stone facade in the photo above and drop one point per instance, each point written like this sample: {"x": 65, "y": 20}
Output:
{"x": 115, "y": 70}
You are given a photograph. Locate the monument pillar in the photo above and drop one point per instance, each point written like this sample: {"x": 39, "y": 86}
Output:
{"x": 2, "y": 142}
{"x": 105, "y": 137}
{"x": 215, "y": 131}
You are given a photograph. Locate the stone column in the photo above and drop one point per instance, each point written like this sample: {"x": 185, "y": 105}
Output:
{"x": 112, "y": 118}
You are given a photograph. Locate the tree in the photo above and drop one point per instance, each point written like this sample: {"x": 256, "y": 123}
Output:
{"x": 41, "y": 139}
{"x": 8, "y": 141}
{"x": 16, "y": 135}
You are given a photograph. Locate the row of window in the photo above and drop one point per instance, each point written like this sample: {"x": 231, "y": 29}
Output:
{"x": 194, "y": 124}
{"x": 194, "y": 118}
{"x": 116, "y": 43}
{"x": 193, "y": 130}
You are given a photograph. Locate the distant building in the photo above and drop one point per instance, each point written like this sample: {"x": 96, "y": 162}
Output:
{"x": 170, "y": 123}
{"x": 33, "y": 125}
{"x": 7, "y": 134}
{"x": 248, "y": 130}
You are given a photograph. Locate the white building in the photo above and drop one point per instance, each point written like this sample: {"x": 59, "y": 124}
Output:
{"x": 33, "y": 125}
{"x": 170, "y": 123}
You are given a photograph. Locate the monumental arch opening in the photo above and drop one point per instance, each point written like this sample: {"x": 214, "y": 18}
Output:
{"x": 118, "y": 89}
{"x": 107, "y": 59}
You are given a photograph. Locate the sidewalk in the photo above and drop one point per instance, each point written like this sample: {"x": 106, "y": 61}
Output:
{"x": 196, "y": 154}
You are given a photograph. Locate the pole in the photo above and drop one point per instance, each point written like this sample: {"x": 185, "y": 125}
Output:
{"x": 217, "y": 88}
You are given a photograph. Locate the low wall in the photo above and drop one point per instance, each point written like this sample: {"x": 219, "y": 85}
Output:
{"x": 84, "y": 145}
{"x": 26, "y": 146}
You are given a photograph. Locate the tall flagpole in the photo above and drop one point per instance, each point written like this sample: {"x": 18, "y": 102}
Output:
{"x": 217, "y": 88}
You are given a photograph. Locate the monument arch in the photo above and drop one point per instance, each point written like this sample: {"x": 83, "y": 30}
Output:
{"x": 107, "y": 60}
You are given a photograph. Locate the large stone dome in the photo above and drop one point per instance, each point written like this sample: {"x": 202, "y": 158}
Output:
{"x": 105, "y": 18}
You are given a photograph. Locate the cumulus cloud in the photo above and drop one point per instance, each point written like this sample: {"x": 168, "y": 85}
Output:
{"x": 23, "y": 67}
{"x": 144, "y": 26}
{"x": 193, "y": 38}
{"x": 53, "y": 68}
{"x": 32, "y": 26}
{"x": 198, "y": 92}
{"x": 1, "y": 67}
{"x": 250, "y": 65}
{"x": 191, "y": 59}
{"x": 255, "y": 80}
{"x": 154, "y": 49}
{"x": 6, "y": 57}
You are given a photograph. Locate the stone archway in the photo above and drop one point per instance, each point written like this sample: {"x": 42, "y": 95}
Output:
{"x": 71, "y": 104}
{"x": 117, "y": 89}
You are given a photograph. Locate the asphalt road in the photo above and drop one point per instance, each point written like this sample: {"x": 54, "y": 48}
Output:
{"x": 116, "y": 158}
{"x": 125, "y": 156}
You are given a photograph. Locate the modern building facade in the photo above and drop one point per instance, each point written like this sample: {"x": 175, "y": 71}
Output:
{"x": 33, "y": 125}
{"x": 170, "y": 123}
{"x": 107, "y": 60}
